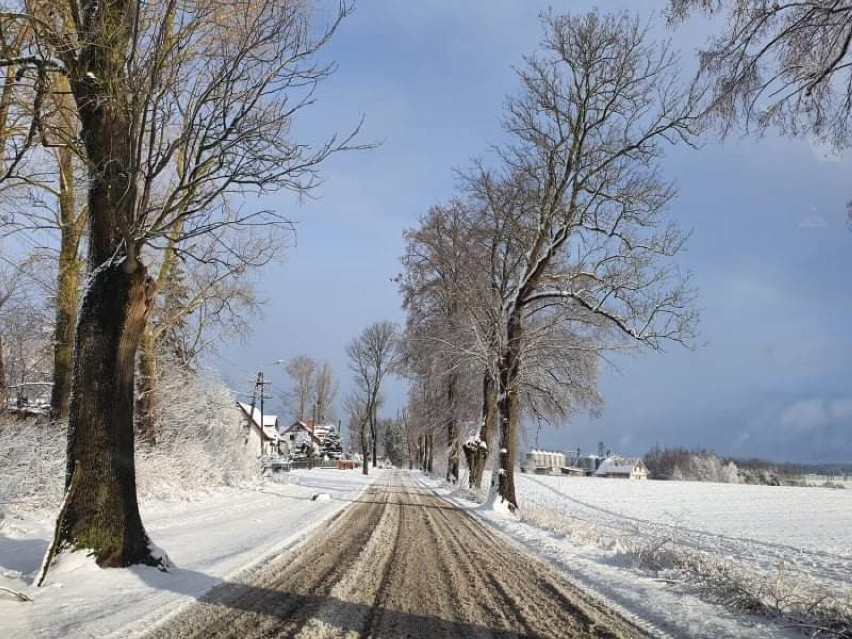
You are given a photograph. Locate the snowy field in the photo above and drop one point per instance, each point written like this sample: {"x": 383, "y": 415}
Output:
{"x": 808, "y": 529}
{"x": 592, "y": 529}
{"x": 805, "y": 519}
{"x": 208, "y": 539}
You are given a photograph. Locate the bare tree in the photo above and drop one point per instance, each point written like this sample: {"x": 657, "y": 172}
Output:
{"x": 24, "y": 340}
{"x": 302, "y": 371}
{"x": 182, "y": 107}
{"x": 8, "y": 288}
{"x": 371, "y": 357}
{"x": 40, "y": 194}
{"x": 780, "y": 63}
{"x": 197, "y": 306}
{"x": 596, "y": 107}
{"x": 26, "y": 360}
{"x": 563, "y": 247}
{"x": 480, "y": 245}
{"x": 358, "y": 413}
{"x": 443, "y": 286}
{"x": 325, "y": 390}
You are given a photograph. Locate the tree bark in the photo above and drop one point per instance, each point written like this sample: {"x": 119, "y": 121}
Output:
{"x": 4, "y": 390}
{"x": 430, "y": 449}
{"x": 373, "y": 438}
{"x": 102, "y": 513}
{"x": 67, "y": 286}
{"x": 146, "y": 404}
{"x": 477, "y": 455}
{"x": 508, "y": 408}
{"x": 424, "y": 460}
{"x": 452, "y": 435}
{"x": 365, "y": 451}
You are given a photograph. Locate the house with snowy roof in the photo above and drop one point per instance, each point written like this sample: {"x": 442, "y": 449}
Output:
{"x": 298, "y": 435}
{"x": 262, "y": 430}
{"x": 622, "y": 468}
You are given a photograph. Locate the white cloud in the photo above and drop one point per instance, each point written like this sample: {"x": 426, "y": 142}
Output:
{"x": 812, "y": 222}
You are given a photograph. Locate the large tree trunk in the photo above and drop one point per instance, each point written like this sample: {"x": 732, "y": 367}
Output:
{"x": 365, "y": 451}
{"x": 373, "y": 438}
{"x": 477, "y": 452}
{"x": 101, "y": 513}
{"x": 146, "y": 404}
{"x": 424, "y": 455}
{"x": 4, "y": 389}
{"x": 508, "y": 408}
{"x": 67, "y": 286}
{"x": 452, "y": 434}
{"x": 430, "y": 449}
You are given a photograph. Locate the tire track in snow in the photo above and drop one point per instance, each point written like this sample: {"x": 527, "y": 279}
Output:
{"x": 401, "y": 562}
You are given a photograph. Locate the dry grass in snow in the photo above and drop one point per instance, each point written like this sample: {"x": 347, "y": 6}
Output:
{"x": 805, "y": 589}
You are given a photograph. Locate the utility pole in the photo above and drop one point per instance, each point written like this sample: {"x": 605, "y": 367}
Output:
{"x": 259, "y": 385}
{"x": 254, "y": 398}
{"x": 262, "y": 384}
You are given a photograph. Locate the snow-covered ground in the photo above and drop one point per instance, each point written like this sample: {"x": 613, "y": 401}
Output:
{"x": 208, "y": 539}
{"x": 591, "y": 529}
{"x": 808, "y": 529}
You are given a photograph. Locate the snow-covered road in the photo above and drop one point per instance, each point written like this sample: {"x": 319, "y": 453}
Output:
{"x": 401, "y": 562}
{"x": 208, "y": 540}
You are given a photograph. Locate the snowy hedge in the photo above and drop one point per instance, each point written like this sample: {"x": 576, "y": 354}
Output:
{"x": 201, "y": 445}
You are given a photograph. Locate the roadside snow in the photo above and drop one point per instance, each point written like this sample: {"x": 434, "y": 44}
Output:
{"x": 807, "y": 530}
{"x": 663, "y": 608}
{"x": 208, "y": 540}
{"x": 805, "y": 519}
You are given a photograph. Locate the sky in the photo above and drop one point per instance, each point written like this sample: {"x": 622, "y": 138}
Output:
{"x": 770, "y": 251}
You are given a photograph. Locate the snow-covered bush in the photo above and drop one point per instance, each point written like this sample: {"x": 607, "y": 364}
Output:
{"x": 200, "y": 445}
{"x": 32, "y": 464}
{"x": 200, "y": 441}
{"x": 686, "y": 465}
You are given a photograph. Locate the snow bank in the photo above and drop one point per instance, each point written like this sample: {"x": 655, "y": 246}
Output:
{"x": 209, "y": 540}
{"x": 668, "y": 553}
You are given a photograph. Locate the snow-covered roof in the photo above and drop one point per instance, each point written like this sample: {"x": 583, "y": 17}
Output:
{"x": 269, "y": 421}
{"x": 300, "y": 426}
{"x": 325, "y": 428}
{"x": 619, "y": 466}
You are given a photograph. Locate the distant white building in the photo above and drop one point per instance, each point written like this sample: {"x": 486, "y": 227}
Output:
{"x": 622, "y": 468}
{"x": 543, "y": 461}
{"x": 263, "y": 439}
{"x": 587, "y": 463}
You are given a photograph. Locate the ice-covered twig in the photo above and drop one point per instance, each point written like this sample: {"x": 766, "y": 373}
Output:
{"x": 16, "y": 593}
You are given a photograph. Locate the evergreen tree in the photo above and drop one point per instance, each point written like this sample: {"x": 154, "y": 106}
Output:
{"x": 331, "y": 447}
